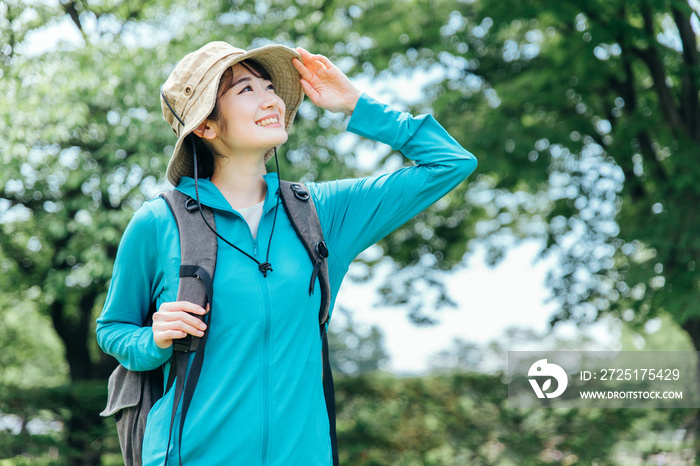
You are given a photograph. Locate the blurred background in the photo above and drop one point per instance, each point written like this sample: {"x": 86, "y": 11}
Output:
{"x": 579, "y": 230}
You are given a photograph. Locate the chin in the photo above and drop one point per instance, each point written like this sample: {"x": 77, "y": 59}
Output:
{"x": 280, "y": 140}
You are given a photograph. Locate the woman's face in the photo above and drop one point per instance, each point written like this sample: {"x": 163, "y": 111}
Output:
{"x": 251, "y": 118}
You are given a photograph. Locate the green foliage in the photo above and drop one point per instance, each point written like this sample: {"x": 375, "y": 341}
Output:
{"x": 594, "y": 107}
{"x": 659, "y": 334}
{"x": 57, "y": 425}
{"x": 584, "y": 116}
{"x": 354, "y": 350}
{"x": 578, "y": 140}
{"x": 462, "y": 418}
{"x": 458, "y": 418}
{"x": 35, "y": 356}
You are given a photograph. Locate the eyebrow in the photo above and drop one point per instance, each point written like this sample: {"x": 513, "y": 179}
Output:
{"x": 243, "y": 79}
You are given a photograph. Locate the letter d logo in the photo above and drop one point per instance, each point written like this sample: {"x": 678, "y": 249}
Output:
{"x": 542, "y": 368}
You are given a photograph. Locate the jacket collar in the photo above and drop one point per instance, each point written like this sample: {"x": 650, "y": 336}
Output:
{"x": 210, "y": 196}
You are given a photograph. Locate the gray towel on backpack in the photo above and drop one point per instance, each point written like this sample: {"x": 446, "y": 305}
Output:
{"x": 131, "y": 396}
{"x": 124, "y": 390}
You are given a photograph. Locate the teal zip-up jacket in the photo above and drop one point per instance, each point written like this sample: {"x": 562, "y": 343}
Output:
{"x": 259, "y": 399}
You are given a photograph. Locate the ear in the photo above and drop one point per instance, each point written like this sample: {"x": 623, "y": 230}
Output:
{"x": 205, "y": 130}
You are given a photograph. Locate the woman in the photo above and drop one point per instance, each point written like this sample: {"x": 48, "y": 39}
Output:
{"x": 259, "y": 398}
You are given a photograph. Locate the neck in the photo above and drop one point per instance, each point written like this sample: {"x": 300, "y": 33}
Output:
{"x": 240, "y": 181}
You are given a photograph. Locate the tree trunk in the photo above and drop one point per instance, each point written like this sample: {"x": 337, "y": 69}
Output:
{"x": 692, "y": 326}
{"x": 74, "y": 335}
{"x": 84, "y": 420}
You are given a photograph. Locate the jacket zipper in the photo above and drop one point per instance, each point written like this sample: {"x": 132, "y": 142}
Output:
{"x": 266, "y": 375}
{"x": 267, "y": 318}
{"x": 265, "y": 365}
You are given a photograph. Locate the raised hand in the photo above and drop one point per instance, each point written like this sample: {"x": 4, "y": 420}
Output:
{"x": 326, "y": 86}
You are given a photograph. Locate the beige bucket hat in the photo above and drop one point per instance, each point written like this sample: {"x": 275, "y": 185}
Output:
{"x": 192, "y": 87}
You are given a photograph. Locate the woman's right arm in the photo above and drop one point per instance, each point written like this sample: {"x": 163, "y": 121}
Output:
{"x": 132, "y": 290}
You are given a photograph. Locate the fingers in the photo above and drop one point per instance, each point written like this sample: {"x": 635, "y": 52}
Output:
{"x": 303, "y": 71}
{"x": 325, "y": 84}
{"x": 325, "y": 61}
{"x": 304, "y": 53}
{"x": 186, "y": 306}
{"x": 179, "y": 314}
{"x": 176, "y": 320}
{"x": 182, "y": 321}
{"x": 309, "y": 90}
{"x": 165, "y": 338}
{"x": 312, "y": 63}
{"x": 306, "y": 76}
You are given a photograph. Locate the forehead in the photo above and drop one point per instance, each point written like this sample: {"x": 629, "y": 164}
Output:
{"x": 240, "y": 70}
{"x": 246, "y": 72}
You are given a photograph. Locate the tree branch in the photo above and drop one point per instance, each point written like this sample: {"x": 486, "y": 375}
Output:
{"x": 12, "y": 42}
{"x": 72, "y": 11}
{"x": 647, "y": 148}
{"x": 650, "y": 57}
{"x": 625, "y": 87}
{"x": 690, "y": 104}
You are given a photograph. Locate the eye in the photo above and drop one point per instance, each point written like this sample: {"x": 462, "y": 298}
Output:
{"x": 271, "y": 86}
{"x": 247, "y": 88}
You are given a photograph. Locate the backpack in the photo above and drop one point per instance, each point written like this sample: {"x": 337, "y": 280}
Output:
{"x": 131, "y": 394}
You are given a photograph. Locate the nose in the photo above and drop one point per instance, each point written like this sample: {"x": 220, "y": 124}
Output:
{"x": 272, "y": 101}
{"x": 268, "y": 102}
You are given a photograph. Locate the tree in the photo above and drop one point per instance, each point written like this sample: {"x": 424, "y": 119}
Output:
{"x": 462, "y": 418}
{"x": 354, "y": 351}
{"x": 586, "y": 119}
{"x": 584, "y": 116}
{"x": 84, "y": 145}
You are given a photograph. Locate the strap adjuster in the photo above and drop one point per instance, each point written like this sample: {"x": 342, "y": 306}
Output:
{"x": 322, "y": 249}
{"x": 182, "y": 345}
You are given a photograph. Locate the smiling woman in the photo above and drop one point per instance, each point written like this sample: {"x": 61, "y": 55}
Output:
{"x": 246, "y": 104}
{"x": 260, "y": 394}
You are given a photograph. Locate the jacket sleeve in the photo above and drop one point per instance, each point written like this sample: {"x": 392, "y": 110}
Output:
{"x": 120, "y": 330}
{"x": 356, "y": 213}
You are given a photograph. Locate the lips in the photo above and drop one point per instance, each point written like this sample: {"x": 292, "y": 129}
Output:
{"x": 268, "y": 120}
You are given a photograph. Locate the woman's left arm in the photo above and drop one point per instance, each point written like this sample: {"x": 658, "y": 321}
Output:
{"x": 357, "y": 213}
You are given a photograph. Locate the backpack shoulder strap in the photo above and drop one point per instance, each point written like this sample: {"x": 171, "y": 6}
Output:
{"x": 198, "y": 249}
{"x": 302, "y": 213}
{"x": 304, "y": 218}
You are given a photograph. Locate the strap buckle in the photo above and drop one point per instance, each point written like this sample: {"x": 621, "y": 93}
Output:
{"x": 191, "y": 205}
{"x": 300, "y": 193}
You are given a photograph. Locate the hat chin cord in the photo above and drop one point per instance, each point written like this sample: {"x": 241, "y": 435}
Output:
{"x": 263, "y": 267}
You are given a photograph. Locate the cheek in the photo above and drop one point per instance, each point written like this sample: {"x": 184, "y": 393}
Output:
{"x": 283, "y": 109}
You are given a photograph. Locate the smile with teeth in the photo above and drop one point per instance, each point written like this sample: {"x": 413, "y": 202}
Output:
{"x": 268, "y": 121}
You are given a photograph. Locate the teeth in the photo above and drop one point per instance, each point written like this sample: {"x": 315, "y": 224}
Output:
{"x": 267, "y": 121}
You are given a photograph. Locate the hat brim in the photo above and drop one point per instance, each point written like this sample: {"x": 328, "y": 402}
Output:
{"x": 277, "y": 61}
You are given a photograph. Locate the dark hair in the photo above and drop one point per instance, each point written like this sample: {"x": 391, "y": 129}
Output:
{"x": 205, "y": 154}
